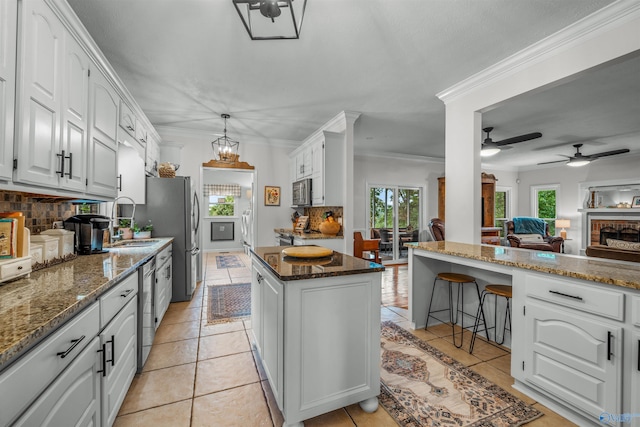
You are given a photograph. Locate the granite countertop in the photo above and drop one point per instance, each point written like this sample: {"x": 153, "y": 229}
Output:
{"x": 31, "y": 308}
{"x": 308, "y": 236}
{"x": 619, "y": 273}
{"x": 288, "y": 268}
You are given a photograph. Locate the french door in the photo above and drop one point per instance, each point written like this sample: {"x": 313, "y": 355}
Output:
{"x": 394, "y": 215}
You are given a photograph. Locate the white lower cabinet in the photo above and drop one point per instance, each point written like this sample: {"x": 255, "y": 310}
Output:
{"x": 635, "y": 378}
{"x": 164, "y": 282}
{"x": 73, "y": 399}
{"x": 318, "y": 340}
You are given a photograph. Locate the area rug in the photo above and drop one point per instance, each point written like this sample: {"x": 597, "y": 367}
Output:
{"x": 422, "y": 386}
{"x": 229, "y": 261}
{"x": 229, "y": 303}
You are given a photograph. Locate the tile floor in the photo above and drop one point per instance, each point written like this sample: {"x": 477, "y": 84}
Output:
{"x": 206, "y": 375}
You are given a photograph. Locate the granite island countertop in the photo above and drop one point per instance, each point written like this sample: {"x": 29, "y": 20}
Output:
{"x": 288, "y": 268}
{"x": 619, "y": 273}
{"x": 313, "y": 235}
{"x": 34, "y": 307}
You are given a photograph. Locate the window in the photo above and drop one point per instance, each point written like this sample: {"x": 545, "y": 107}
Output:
{"x": 502, "y": 208}
{"x": 222, "y": 205}
{"x": 544, "y": 204}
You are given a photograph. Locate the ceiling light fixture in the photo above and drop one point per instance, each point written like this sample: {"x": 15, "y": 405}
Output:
{"x": 573, "y": 162}
{"x": 252, "y": 12}
{"x": 225, "y": 149}
{"x": 488, "y": 151}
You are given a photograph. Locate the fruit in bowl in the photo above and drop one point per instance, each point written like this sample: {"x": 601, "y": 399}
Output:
{"x": 329, "y": 226}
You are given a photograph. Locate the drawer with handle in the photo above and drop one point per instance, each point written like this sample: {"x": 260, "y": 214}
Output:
{"x": 584, "y": 297}
{"x": 115, "y": 299}
{"x": 14, "y": 268}
{"x": 23, "y": 381}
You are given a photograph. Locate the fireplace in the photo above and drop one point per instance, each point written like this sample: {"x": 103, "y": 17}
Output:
{"x": 602, "y": 229}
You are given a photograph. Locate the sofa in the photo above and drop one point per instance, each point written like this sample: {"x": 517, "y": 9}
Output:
{"x": 538, "y": 242}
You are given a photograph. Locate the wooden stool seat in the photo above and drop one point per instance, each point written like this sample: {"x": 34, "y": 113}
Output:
{"x": 500, "y": 290}
{"x": 456, "y": 278}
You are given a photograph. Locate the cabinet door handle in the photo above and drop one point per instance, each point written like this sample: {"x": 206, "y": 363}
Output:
{"x": 73, "y": 345}
{"x": 576, "y": 297}
{"x": 130, "y": 128}
{"x": 70, "y": 157}
{"x": 609, "y": 336}
{"x": 113, "y": 351}
{"x": 168, "y": 272}
{"x": 119, "y": 182}
{"x": 638, "y": 355}
{"x": 103, "y": 371}
{"x": 259, "y": 278}
{"x": 126, "y": 293}
{"x": 61, "y": 171}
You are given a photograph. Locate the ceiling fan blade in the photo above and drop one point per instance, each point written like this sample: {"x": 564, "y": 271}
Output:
{"x": 521, "y": 138}
{"x": 609, "y": 153}
{"x": 557, "y": 161}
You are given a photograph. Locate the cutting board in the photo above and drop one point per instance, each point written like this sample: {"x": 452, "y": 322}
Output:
{"x": 307, "y": 251}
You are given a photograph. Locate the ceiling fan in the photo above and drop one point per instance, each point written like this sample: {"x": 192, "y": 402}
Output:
{"x": 580, "y": 159}
{"x": 491, "y": 147}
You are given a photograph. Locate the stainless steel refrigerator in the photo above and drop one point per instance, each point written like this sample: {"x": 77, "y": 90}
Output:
{"x": 173, "y": 207}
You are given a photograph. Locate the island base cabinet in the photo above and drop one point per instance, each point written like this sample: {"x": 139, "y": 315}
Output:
{"x": 574, "y": 357}
{"x": 635, "y": 378}
{"x": 74, "y": 398}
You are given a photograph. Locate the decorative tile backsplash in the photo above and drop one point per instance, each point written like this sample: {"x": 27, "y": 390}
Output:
{"x": 315, "y": 215}
{"x": 39, "y": 215}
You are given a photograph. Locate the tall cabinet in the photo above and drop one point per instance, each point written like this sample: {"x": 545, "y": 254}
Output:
{"x": 8, "y": 29}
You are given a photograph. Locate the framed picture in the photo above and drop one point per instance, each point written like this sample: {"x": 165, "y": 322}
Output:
{"x": 273, "y": 259}
{"x": 635, "y": 203}
{"x": 271, "y": 196}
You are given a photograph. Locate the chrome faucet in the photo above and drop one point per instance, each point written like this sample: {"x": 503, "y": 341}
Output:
{"x": 116, "y": 219}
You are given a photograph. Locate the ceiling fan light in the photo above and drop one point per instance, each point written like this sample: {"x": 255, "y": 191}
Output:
{"x": 578, "y": 163}
{"x": 489, "y": 151}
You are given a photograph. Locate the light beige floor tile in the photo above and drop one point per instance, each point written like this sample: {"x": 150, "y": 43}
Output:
{"x": 505, "y": 381}
{"x": 177, "y": 332}
{"x": 549, "y": 419}
{"x": 172, "y": 415}
{"x": 216, "y": 275}
{"x": 481, "y": 349}
{"x": 225, "y": 372}
{"x": 172, "y": 354}
{"x": 223, "y": 344}
{"x": 239, "y": 272}
{"x": 194, "y": 302}
{"x": 443, "y": 329}
{"x": 218, "y": 282}
{"x": 219, "y": 328}
{"x": 400, "y": 311}
{"x": 159, "y": 387}
{"x": 503, "y": 363}
{"x": 423, "y": 335}
{"x": 179, "y": 315}
{"x": 276, "y": 415}
{"x": 386, "y": 314}
{"x": 242, "y": 406}
{"x": 241, "y": 279}
{"x": 379, "y": 418}
{"x": 459, "y": 354}
{"x": 337, "y": 418}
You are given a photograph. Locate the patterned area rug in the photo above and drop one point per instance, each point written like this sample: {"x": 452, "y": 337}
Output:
{"x": 229, "y": 303}
{"x": 423, "y": 387}
{"x": 229, "y": 261}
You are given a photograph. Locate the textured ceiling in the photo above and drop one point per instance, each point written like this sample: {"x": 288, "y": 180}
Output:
{"x": 188, "y": 61}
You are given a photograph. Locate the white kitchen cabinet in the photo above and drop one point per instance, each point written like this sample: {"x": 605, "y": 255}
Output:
{"x": 103, "y": 133}
{"x": 635, "y": 376}
{"x": 304, "y": 163}
{"x": 153, "y": 155}
{"x": 127, "y": 119}
{"x": 328, "y": 170}
{"x": 73, "y": 399}
{"x": 131, "y": 176}
{"x": 141, "y": 134}
{"x": 8, "y": 31}
{"x": 164, "y": 281}
{"x": 120, "y": 359}
{"x": 256, "y": 305}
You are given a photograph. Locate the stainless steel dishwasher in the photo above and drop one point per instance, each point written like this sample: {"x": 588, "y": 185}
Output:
{"x": 146, "y": 310}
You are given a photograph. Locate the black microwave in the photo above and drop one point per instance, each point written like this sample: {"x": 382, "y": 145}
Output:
{"x": 302, "y": 192}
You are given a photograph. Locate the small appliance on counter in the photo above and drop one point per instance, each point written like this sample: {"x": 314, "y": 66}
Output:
{"x": 89, "y": 232}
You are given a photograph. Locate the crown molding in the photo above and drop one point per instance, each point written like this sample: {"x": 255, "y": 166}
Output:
{"x": 615, "y": 14}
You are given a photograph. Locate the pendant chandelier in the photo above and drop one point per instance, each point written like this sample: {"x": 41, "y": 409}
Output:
{"x": 225, "y": 149}
{"x": 287, "y": 26}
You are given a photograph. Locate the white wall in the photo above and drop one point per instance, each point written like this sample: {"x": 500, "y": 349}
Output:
{"x": 271, "y": 168}
{"x": 569, "y": 199}
{"x": 392, "y": 171}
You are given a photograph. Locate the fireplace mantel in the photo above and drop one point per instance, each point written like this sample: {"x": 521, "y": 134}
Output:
{"x": 593, "y": 219}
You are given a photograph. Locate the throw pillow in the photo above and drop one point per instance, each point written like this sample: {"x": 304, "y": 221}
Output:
{"x": 623, "y": 244}
{"x": 530, "y": 238}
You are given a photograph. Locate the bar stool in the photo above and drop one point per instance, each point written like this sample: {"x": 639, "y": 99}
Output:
{"x": 460, "y": 280}
{"x": 497, "y": 291}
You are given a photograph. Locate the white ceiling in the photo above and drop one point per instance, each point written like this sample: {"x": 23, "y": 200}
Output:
{"x": 188, "y": 61}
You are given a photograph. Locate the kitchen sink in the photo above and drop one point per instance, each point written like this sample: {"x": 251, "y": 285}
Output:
{"x": 134, "y": 243}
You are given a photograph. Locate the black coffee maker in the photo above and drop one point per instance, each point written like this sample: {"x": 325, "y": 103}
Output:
{"x": 89, "y": 229}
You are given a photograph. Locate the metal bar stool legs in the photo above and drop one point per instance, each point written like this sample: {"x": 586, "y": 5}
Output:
{"x": 495, "y": 290}
{"x": 459, "y": 280}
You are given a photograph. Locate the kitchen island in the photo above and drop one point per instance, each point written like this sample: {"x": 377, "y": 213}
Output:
{"x": 575, "y": 340}
{"x": 316, "y": 327}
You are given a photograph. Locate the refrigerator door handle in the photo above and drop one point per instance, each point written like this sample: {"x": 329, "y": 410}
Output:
{"x": 194, "y": 250}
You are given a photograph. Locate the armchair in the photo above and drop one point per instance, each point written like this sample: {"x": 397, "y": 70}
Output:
{"x": 360, "y": 246}
{"x": 539, "y": 242}
{"x": 436, "y": 225}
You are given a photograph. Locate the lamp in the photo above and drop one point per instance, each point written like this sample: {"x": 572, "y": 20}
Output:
{"x": 225, "y": 149}
{"x": 563, "y": 223}
{"x": 253, "y": 12}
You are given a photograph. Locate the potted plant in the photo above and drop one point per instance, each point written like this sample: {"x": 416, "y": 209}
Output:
{"x": 124, "y": 229}
{"x": 144, "y": 232}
